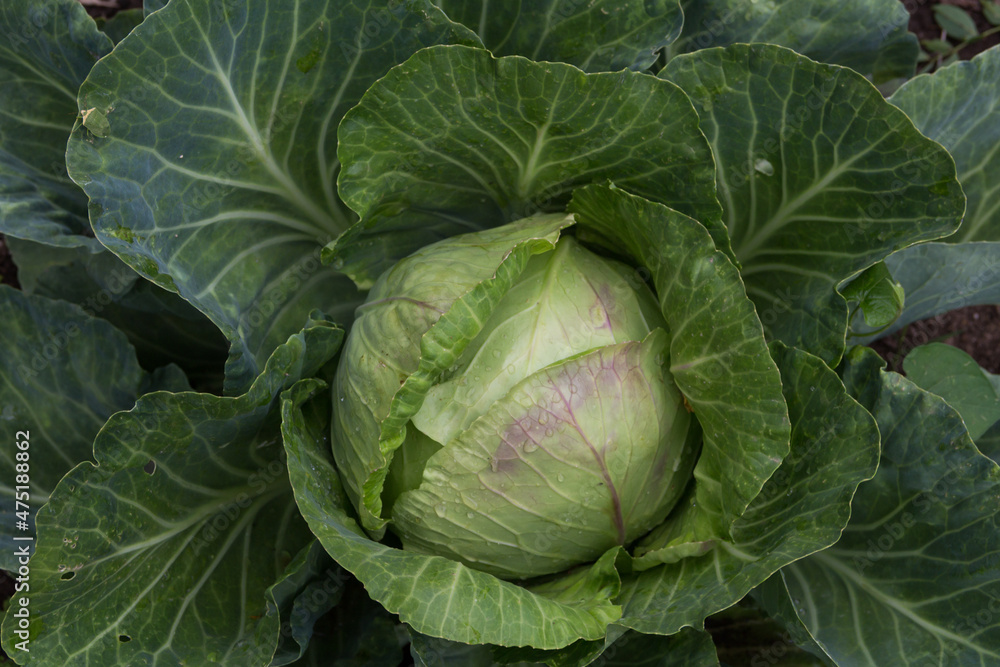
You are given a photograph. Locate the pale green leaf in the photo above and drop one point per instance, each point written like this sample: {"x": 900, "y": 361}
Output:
{"x": 718, "y": 357}
{"x": 428, "y": 308}
{"x": 879, "y": 297}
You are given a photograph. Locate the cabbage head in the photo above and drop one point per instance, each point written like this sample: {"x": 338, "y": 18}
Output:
{"x": 544, "y": 429}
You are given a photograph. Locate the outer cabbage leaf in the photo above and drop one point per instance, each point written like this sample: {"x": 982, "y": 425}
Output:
{"x": 718, "y": 356}
{"x": 67, "y": 373}
{"x": 160, "y": 529}
{"x": 802, "y": 508}
{"x": 913, "y": 580}
{"x": 869, "y": 36}
{"x": 455, "y": 140}
{"x": 162, "y": 327}
{"x": 819, "y": 178}
{"x": 233, "y": 215}
{"x": 433, "y": 595}
{"x": 49, "y": 46}
{"x": 607, "y": 35}
{"x": 959, "y": 107}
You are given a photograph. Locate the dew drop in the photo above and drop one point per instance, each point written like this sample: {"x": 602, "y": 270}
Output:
{"x": 441, "y": 510}
{"x": 543, "y": 418}
{"x": 549, "y": 432}
{"x": 561, "y": 477}
{"x": 511, "y": 369}
{"x": 572, "y": 389}
{"x": 763, "y": 166}
{"x": 530, "y": 447}
{"x": 469, "y": 514}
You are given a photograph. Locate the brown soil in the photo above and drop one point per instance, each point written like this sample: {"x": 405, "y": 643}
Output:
{"x": 975, "y": 329}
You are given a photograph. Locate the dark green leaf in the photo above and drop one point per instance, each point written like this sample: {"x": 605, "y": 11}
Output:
{"x": 49, "y": 46}
{"x": 311, "y": 585}
{"x": 433, "y": 652}
{"x": 606, "y": 35}
{"x": 179, "y": 529}
{"x": 687, "y": 648}
{"x": 356, "y": 633}
{"x": 955, "y": 21}
{"x": 161, "y": 326}
{"x": 989, "y": 442}
{"x": 509, "y": 138}
{"x": 65, "y": 375}
{"x": 960, "y": 108}
{"x": 150, "y": 6}
{"x": 913, "y": 580}
{"x": 869, "y": 36}
{"x": 819, "y": 178}
{"x": 747, "y": 636}
{"x": 233, "y": 216}
{"x": 773, "y": 597}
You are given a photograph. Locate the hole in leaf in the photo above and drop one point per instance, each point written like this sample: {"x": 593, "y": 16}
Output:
{"x": 66, "y": 576}
{"x": 150, "y": 467}
{"x": 124, "y": 638}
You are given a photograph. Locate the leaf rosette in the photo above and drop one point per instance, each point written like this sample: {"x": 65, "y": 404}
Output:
{"x": 558, "y": 396}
